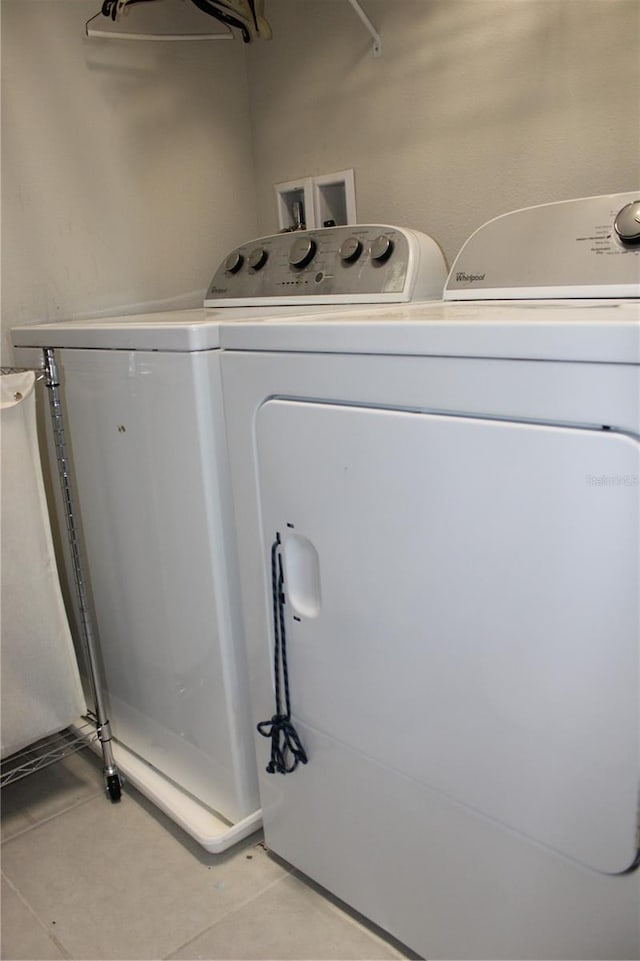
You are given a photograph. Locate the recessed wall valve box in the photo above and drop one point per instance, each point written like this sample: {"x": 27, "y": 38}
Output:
{"x": 295, "y": 204}
{"x": 327, "y": 200}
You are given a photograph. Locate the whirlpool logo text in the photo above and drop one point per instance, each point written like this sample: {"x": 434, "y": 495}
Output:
{"x": 464, "y": 278}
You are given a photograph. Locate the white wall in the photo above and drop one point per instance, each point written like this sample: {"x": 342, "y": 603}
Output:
{"x": 475, "y": 107}
{"x": 126, "y": 167}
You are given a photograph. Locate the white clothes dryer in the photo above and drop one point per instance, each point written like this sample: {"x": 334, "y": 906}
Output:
{"x": 438, "y": 521}
{"x": 145, "y": 426}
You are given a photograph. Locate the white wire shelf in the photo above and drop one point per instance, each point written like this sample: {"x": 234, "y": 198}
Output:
{"x": 45, "y": 752}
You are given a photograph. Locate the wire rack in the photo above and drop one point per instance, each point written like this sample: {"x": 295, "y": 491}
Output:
{"x": 22, "y": 370}
{"x": 48, "y": 750}
{"x": 51, "y": 749}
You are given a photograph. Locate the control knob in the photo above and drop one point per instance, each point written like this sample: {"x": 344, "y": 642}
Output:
{"x": 234, "y": 262}
{"x": 350, "y": 250}
{"x": 257, "y": 258}
{"x": 627, "y": 223}
{"x": 302, "y": 251}
{"x": 381, "y": 249}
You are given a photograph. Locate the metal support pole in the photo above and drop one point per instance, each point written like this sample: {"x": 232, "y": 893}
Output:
{"x": 110, "y": 770}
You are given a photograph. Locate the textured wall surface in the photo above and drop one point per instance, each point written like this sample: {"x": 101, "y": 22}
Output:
{"x": 129, "y": 169}
{"x": 126, "y": 166}
{"x": 474, "y": 108}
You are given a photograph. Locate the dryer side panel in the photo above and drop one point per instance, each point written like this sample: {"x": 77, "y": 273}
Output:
{"x": 466, "y": 609}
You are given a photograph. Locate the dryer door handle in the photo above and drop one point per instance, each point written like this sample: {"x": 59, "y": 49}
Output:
{"x": 301, "y": 575}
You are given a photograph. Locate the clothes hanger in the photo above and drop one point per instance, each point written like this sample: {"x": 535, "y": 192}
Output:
{"x": 110, "y": 14}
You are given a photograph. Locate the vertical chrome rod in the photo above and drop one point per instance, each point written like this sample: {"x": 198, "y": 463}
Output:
{"x": 52, "y": 382}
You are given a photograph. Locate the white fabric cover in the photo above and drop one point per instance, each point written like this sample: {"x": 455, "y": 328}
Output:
{"x": 40, "y": 683}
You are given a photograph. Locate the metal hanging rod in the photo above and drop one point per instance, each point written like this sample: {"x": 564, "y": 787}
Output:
{"x": 144, "y": 17}
{"x": 115, "y": 35}
{"x": 377, "y": 39}
{"x": 97, "y": 33}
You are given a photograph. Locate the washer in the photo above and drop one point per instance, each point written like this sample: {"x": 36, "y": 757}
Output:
{"x": 144, "y": 420}
{"x": 438, "y": 520}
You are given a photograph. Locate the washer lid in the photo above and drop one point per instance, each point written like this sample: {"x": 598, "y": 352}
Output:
{"x": 170, "y": 330}
{"x": 576, "y": 248}
{"x": 164, "y": 330}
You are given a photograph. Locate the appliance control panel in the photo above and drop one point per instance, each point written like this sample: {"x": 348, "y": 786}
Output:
{"x": 575, "y": 248}
{"x": 367, "y": 263}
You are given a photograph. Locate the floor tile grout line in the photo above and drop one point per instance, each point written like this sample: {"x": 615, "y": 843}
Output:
{"x": 51, "y": 817}
{"x": 346, "y": 913}
{"x": 297, "y": 876}
{"x": 30, "y": 824}
{"x": 227, "y": 914}
{"x": 41, "y": 924}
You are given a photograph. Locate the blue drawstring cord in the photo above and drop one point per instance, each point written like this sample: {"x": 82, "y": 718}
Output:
{"x": 286, "y": 748}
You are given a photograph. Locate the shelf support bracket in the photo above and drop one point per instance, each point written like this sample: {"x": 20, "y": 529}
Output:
{"x": 377, "y": 39}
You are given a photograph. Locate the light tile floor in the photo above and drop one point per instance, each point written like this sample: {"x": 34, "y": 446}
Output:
{"x": 86, "y": 879}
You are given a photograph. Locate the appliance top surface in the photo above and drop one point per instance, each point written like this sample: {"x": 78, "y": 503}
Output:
{"x": 589, "y": 330}
{"x": 286, "y": 274}
{"x": 558, "y": 281}
{"x": 172, "y": 330}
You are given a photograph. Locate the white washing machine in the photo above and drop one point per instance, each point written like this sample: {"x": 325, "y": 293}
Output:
{"x": 145, "y": 426}
{"x": 438, "y": 520}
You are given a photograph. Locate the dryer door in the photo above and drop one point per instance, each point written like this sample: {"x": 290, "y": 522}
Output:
{"x": 462, "y": 607}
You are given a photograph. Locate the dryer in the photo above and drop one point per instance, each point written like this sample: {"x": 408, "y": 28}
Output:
{"x": 145, "y": 427}
{"x": 438, "y": 521}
